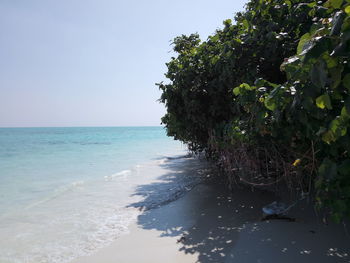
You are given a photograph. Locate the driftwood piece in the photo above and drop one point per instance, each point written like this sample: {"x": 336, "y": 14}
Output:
{"x": 278, "y": 217}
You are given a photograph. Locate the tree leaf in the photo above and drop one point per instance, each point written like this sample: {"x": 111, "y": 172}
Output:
{"x": 337, "y": 22}
{"x": 347, "y": 10}
{"x": 303, "y": 40}
{"x": 347, "y": 104}
{"x": 328, "y": 169}
{"x": 319, "y": 75}
{"x": 324, "y": 101}
{"x": 345, "y": 113}
{"x": 247, "y": 86}
{"x": 346, "y": 81}
{"x": 334, "y": 3}
{"x": 237, "y": 91}
{"x": 335, "y": 74}
{"x": 338, "y": 128}
{"x": 328, "y": 137}
{"x": 344, "y": 168}
{"x": 270, "y": 103}
{"x": 317, "y": 48}
{"x": 330, "y": 61}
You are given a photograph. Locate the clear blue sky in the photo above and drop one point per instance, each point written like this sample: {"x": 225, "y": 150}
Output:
{"x": 93, "y": 62}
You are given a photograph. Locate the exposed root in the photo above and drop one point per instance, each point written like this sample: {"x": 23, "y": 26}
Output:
{"x": 266, "y": 165}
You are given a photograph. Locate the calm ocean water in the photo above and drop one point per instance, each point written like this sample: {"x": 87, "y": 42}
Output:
{"x": 64, "y": 191}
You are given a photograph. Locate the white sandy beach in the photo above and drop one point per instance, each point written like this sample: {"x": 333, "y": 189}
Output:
{"x": 211, "y": 224}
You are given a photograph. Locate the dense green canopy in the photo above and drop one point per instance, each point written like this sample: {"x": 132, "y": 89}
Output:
{"x": 268, "y": 95}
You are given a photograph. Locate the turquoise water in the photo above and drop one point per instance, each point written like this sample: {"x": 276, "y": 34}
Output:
{"x": 72, "y": 184}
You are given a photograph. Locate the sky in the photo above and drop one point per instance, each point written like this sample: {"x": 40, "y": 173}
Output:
{"x": 93, "y": 62}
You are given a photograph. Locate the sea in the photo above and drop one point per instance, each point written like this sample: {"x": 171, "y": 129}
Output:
{"x": 66, "y": 192}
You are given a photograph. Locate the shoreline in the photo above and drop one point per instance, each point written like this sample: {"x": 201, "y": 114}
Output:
{"x": 211, "y": 224}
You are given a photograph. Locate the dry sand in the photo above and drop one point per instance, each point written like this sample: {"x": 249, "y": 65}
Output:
{"x": 211, "y": 224}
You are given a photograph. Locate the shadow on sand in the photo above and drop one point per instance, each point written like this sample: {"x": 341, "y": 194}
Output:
{"x": 210, "y": 220}
{"x": 218, "y": 225}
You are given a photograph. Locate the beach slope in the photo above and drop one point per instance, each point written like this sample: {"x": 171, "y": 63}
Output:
{"x": 212, "y": 224}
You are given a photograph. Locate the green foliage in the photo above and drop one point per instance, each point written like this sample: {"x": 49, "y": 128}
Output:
{"x": 279, "y": 74}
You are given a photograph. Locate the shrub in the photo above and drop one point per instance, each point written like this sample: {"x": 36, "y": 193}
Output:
{"x": 267, "y": 97}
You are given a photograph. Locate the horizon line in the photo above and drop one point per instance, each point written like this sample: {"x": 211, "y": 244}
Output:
{"x": 120, "y": 126}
